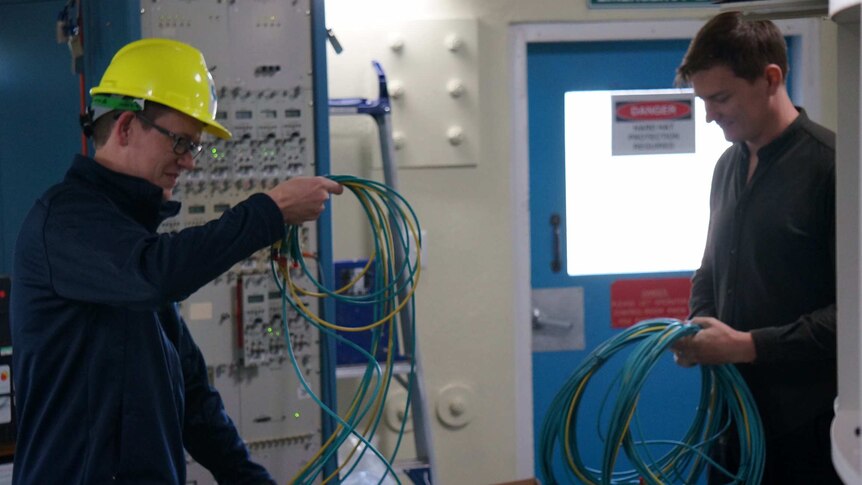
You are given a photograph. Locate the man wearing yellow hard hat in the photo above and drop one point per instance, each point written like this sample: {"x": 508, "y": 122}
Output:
{"x": 110, "y": 385}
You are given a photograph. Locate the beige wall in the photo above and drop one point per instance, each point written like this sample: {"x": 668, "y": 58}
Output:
{"x": 465, "y": 306}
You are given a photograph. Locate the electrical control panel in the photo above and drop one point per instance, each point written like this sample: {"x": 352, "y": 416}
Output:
{"x": 260, "y": 56}
{"x": 7, "y": 402}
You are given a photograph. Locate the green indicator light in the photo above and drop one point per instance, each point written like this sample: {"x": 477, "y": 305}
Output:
{"x": 269, "y": 329}
{"x": 215, "y": 150}
{"x": 296, "y": 415}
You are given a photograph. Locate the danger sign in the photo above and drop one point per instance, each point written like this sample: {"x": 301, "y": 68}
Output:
{"x": 642, "y": 299}
{"x": 652, "y": 124}
{"x": 653, "y": 110}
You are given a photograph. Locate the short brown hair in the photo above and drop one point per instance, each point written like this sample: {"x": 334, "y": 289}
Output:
{"x": 745, "y": 46}
{"x": 104, "y": 124}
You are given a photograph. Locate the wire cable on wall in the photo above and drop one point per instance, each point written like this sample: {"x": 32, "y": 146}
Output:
{"x": 70, "y": 30}
{"x": 725, "y": 401}
{"x": 396, "y": 268}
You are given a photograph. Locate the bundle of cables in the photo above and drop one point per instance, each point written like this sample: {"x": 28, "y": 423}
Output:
{"x": 394, "y": 265}
{"x": 725, "y": 401}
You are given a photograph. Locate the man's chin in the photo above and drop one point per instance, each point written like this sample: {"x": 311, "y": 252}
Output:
{"x": 731, "y": 137}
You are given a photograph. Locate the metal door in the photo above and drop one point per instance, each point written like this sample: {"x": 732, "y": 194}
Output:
{"x": 572, "y": 314}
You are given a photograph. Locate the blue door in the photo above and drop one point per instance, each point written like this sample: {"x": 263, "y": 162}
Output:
{"x": 668, "y": 400}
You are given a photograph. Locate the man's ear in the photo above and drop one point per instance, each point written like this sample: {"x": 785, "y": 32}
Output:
{"x": 123, "y": 127}
{"x": 774, "y": 76}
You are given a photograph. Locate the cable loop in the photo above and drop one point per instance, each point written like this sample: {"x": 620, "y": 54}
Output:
{"x": 724, "y": 401}
{"x": 395, "y": 266}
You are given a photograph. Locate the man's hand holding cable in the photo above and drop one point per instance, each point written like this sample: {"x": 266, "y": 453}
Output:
{"x": 716, "y": 343}
{"x": 302, "y": 199}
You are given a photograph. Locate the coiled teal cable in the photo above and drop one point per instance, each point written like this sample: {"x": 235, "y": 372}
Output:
{"x": 395, "y": 236}
{"x": 724, "y": 399}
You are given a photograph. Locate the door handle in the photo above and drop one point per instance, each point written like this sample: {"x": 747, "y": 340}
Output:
{"x": 557, "y": 261}
{"x": 541, "y": 320}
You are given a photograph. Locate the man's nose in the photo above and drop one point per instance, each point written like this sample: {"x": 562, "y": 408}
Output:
{"x": 710, "y": 113}
{"x": 187, "y": 161}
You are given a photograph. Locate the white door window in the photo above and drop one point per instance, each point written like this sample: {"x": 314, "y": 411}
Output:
{"x": 634, "y": 213}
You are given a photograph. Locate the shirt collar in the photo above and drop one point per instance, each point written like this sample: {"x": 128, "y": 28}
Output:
{"x": 777, "y": 145}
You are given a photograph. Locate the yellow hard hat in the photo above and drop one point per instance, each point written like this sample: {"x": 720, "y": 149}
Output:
{"x": 168, "y": 72}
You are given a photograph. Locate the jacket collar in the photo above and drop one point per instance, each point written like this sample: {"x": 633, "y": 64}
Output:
{"x": 134, "y": 196}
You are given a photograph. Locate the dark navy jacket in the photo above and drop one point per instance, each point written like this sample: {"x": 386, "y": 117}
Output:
{"x": 110, "y": 385}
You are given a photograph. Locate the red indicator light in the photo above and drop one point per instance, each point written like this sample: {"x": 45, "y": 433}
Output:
{"x": 2, "y": 294}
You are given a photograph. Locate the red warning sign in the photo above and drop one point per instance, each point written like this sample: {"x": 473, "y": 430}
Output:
{"x": 653, "y": 110}
{"x": 636, "y": 300}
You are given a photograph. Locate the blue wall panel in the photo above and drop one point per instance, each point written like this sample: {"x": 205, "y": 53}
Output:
{"x": 40, "y": 97}
{"x": 38, "y": 112}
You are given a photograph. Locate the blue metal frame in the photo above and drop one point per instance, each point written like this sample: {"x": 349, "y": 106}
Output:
{"x": 376, "y": 108}
{"x": 328, "y": 365}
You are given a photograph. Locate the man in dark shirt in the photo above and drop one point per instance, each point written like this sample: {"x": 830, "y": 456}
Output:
{"x": 110, "y": 385}
{"x": 765, "y": 291}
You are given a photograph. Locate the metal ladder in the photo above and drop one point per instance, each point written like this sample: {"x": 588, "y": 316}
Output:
{"x": 421, "y": 470}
